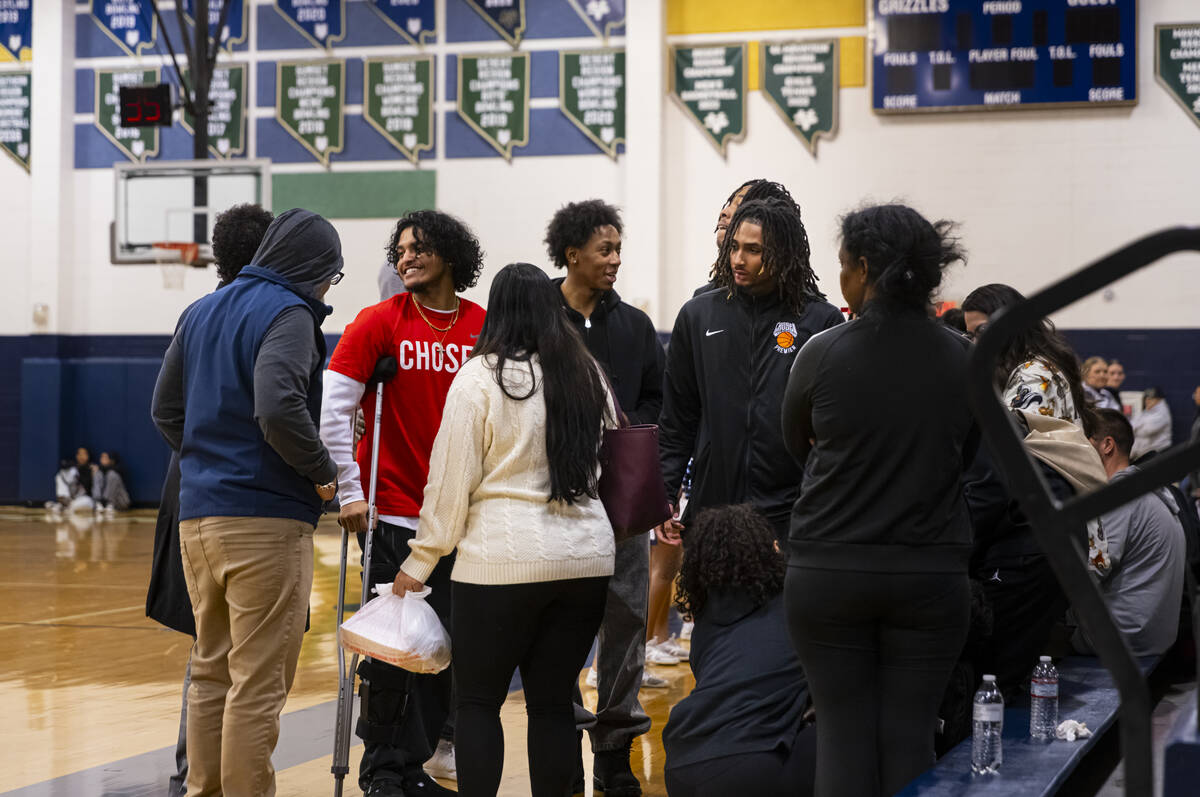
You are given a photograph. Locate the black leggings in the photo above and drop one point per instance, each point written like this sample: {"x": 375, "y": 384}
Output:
{"x": 770, "y": 774}
{"x": 878, "y": 649}
{"x": 545, "y": 629}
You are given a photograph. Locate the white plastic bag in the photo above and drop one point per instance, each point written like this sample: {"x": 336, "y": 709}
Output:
{"x": 402, "y": 631}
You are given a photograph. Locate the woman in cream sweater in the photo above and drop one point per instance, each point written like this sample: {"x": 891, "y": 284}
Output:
{"x": 513, "y": 486}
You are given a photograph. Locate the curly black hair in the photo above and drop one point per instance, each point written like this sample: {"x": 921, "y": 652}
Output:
{"x": 728, "y": 548}
{"x": 446, "y": 237}
{"x": 785, "y": 251}
{"x": 236, "y": 235}
{"x": 575, "y": 223}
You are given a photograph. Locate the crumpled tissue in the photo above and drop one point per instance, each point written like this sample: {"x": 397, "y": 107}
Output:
{"x": 1072, "y": 730}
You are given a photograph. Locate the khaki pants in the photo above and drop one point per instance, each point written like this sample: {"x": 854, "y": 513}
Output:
{"x": 249, "y": 580}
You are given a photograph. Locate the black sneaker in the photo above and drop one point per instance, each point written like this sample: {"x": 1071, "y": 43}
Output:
{"x": 419, "y": 784}
{"x": 384, "y": 787}
{"x": 612, "y": 775}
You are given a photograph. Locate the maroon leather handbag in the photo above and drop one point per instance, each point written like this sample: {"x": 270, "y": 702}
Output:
{"x": 631, "y": 481}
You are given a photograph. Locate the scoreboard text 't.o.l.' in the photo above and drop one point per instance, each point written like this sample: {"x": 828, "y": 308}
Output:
{"x": 950, "y": 55}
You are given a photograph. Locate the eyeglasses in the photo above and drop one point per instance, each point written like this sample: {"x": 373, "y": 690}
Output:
{"x": 337, "y": 278}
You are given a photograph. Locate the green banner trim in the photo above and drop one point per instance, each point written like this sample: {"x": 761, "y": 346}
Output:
{"x": 322, "y": 156}
{"x": 149, "y": 75}
{"x": 738, "y": 131}
{"x": 505, "y": 149}
{"x": 410, "y": 152}
{"x": 1163, "y": 35}
{"x": 608, "y": 148}
{"x": 185, "y": 118}
{"x": 821, "y": 128}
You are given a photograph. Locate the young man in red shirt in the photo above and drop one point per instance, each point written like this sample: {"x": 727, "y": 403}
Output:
{"x": 430, "y": 331}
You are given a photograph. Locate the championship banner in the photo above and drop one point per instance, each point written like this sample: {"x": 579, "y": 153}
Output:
{"x": 507, "y": 17}
{"x": 398, "y": 101}
{"x": 308, "y": 103}
{"x": 322, "y": 22}
{"x": 136, "y": 143}
{"x": 15, "y": 113}
{"x": 709, "y": 83}
{"x": 235, "y": 21}
{"x": 800, "y": 80}
{"x": 129, "y": 23}
{"x": 16, "y": 30}
{"x": 602, "y": 16}
{"x": 226, "y": 113}
{"x": 591, "y": 93}
{"x": 1177, "y": 64}
{"x": 493, "y": 98}
{"x": 413, "y": 19}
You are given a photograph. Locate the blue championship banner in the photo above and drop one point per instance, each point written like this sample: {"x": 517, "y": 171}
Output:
{"x": 605, "y": 17}
{"x": 16, "y": 30}
{"x": 413, "y": 19}
{"x": 129, "y": 23}
{"x": 507, "y": 17}
{"x": 235, "y": 20}
{"x": 322, "y": 22}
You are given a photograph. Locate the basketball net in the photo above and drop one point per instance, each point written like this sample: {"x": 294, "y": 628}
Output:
{"x": 174, "y": 259}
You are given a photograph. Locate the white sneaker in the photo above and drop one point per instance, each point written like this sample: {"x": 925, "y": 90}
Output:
{"x": 110, "y": 511}
{"x": 652, "y": 681}
{"x": 591, "y": 677}
{"x": 686, "y": 631}
{"x": 442, "y": 766}
{"x": 656, "y": 655}
{"x": 673, "y": 647}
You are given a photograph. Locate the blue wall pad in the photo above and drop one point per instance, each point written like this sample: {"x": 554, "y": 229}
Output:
{"x": 543, "y": 20}
{"x": 94, "y": 150}
{"x": 364, "y": 28}
{"x": 363, "y": 143}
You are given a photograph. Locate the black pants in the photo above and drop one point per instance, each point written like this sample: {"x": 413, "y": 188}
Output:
{"x": 545, "y": 629}
{"x": 401, "y": 714}
{"x": 771, "y": 774}
{"x": 878, "y": 649}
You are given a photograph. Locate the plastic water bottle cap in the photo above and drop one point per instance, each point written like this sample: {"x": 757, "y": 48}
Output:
{"x": 1043, "y": 658}
{"x": 990, "y": 678}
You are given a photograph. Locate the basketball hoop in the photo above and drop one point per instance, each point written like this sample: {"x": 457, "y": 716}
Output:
{"x": 174, "y": 258}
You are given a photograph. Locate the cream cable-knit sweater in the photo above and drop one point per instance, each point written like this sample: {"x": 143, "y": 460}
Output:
{"x": 489, "y": 479}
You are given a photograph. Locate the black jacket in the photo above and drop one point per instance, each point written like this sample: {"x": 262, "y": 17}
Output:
{"x": 623, "y": 340}
{"x": 727, "y": 367}
{"x": 167, "y": 599}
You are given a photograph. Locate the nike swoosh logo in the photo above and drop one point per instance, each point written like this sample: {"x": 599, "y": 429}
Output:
{"x": 473, "y": 337}
{"x": 708, "y": 333}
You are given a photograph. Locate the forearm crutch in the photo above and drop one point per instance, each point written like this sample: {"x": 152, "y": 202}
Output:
{"x": 385, "y": 369}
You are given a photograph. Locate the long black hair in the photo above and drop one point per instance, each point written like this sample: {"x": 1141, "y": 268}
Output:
{"x": 1040, "y": 341}
{"x": 785, "y": 250}
{"x": 446, "y": 237}
{"x": 905, "y": 253}
{"x": 525, "y": 317}
{"x": 731, "y": 549}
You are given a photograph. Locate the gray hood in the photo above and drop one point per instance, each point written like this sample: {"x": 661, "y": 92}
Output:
{"x": 302, "y": 248}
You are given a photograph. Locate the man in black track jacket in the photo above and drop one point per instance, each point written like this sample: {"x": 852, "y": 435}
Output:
{"x": 728, "y": 363}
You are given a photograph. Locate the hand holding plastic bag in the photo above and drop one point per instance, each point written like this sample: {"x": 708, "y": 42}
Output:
{"x": 402, "y": 631}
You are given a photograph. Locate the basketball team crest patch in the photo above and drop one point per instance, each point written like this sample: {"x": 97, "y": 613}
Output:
{"x": 785, "y": 337}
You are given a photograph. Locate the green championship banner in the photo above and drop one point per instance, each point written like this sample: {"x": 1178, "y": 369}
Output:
{"x": 136, "y": 143}
{"x": 591, "y": 93}
{"x": 800, "y": 79}
{"x": 226, "y": 113}
{"x": 398, "y": 101}
{"x": 709, "y": 83}
{"x": 308, "y": 103}
{"x": 15, "y": 97}
{"x": 1177, "y": 64}
{"x": 493, "y": 98}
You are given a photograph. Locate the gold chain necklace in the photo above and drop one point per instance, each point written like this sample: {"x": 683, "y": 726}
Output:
{"x": 428, "y": 323}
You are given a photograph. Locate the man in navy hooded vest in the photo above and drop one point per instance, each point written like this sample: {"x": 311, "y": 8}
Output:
{"x": 239, "y": 398}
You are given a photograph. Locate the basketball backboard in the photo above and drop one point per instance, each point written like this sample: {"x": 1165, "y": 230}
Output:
{"x": 155, "y": 208}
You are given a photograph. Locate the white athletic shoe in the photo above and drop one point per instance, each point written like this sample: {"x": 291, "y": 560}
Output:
{"x": 652, "y": 681}
{"x": 441, "y": 766}
{"x": 656, "y": 655}
{"x": 673, "y": 647}
{"x": 591, "y": 677}
{"x": 686, "y": 631}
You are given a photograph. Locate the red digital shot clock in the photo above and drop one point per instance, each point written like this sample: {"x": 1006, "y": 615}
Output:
{"x": 146, "y": 106}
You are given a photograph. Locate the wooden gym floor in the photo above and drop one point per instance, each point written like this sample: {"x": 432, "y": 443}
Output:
{"x": 90, "y": 688}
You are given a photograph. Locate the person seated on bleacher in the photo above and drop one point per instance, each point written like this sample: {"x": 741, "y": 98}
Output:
{"x": 108, "y": 485}
{"x": 1139, "y": 555}
{"x": 741, "y": 730}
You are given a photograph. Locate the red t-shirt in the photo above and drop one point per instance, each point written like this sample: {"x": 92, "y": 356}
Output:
{"x": 413, "y": 401}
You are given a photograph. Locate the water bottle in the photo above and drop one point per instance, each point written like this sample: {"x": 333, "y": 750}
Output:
{"x": 986, "y": 750}
{"x": 1043, "y": 701}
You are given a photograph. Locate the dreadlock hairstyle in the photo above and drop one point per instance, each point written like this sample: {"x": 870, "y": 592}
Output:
{"x": 785, "y": 251}
{"x": 525, "y": 317}
{"x": 728, "y": 549}
{"x": 446, "y": 237}
{"x": 1040, "y": 341}
{"x": 759, "y": 188}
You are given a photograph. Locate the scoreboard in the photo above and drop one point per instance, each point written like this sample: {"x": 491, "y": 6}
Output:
{"x": 950, "y": 55}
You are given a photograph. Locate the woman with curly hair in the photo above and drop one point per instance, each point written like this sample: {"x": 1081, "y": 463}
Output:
{"x": 430, "y": 330}
{"x": 742, "y": 729}
{"x": 877, "y": 590}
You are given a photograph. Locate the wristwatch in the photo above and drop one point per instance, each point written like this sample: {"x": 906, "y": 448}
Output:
{"x": 327, "y": 491}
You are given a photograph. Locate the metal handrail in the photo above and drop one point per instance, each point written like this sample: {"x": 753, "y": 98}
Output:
{"x": 1059, "y": 525}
